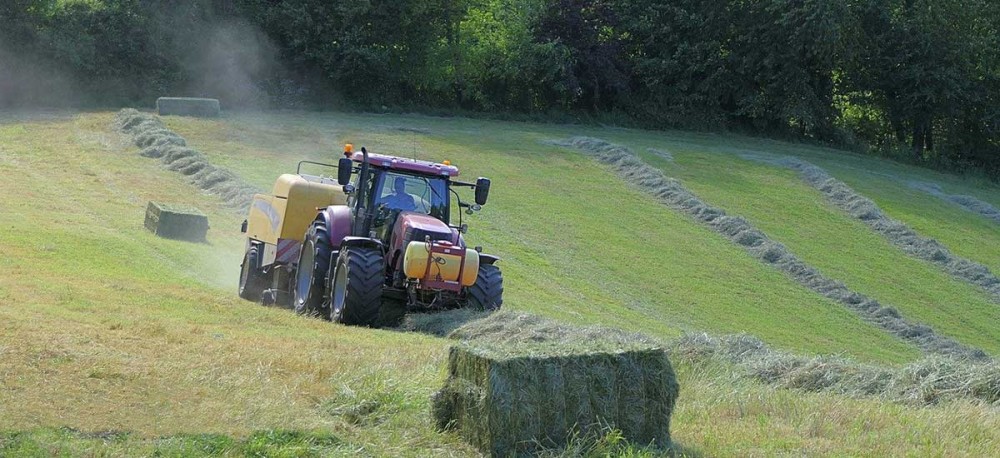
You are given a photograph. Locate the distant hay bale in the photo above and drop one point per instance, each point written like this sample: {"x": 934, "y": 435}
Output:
{"x": 188, "y": 106}
{"x": 539, "y": 386}
{"x": 173, "y": 222}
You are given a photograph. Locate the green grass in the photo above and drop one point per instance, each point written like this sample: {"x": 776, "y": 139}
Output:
{"x": 964, "y": 233}
{"x": 139, "y": 346}
{"x": 577, "y": 243}
{"x": 780, "y": 204}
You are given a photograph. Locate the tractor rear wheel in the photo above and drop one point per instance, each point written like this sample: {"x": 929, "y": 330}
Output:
{"x": 487, "y": 292}
{"x": 356, "y": 289}
{"x": 310, "y": 278}
{"x": 251, "y": 280}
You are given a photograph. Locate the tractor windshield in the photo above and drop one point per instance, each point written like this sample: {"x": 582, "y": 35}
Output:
{"x": 428, "y": 195}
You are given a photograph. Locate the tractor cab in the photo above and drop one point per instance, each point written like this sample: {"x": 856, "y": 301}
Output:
{"x": 392, "y": 192}
{"x": 394, "y": 186}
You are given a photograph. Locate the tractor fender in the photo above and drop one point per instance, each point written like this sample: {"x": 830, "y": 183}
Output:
{"x": 488, "y": 259}
{"x": 352, "y": 242}
{"x": 337, "y": 219}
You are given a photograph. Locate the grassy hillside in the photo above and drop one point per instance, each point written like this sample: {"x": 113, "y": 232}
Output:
{"x": 139, "y": 346}
{"x": 780, "y": 204}
{"x": 577, "y": 243}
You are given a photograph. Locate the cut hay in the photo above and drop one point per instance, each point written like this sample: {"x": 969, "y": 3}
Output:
{"x": 517, "y": 384}
{"x": 926, "y": 382}
{"x": 158, "y": 142}
{"x": 673, "y": 194}
{"x": 440, "y": 324}
{"x": 896, "y": 232}
{"x": 173, "y": 222}
{"x": 188, "y": 106}
{"x": 968, "y": 203}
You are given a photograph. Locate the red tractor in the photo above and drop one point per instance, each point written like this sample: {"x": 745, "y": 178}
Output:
{"x": 383, "y": 245}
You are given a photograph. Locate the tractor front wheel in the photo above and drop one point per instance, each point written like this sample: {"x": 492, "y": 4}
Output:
{"x": 310, "y": 278}
{"x": 356, "y": 289}
{"x": 251, "y": 279}
{"x": 487, "y": 292}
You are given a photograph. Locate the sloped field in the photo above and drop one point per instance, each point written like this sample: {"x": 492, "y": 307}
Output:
{"x": 115, "y": 342}
{"x": 579, "y": 244}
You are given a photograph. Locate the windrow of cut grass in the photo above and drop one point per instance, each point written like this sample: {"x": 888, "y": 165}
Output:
{"x": 889, "y": 184}
{"x": 899, "y": 234}
{"x": 969, "y": 203}
{"x": 674, "y": 195}
{"x": 965, "y": 233}
{"x": 157, "y": 142}
{"x": 576, "y": 243}
{"x": 839, "y": 246}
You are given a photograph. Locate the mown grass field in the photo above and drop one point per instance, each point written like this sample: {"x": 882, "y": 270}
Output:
{"x": 578, "y": 244}
{"x": 115, "y": 342}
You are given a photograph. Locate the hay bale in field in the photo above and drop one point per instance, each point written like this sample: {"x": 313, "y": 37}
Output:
{"x": 188, "y": 106}
{"x": 175, "y": 222}
{"x": 544, "y": 383}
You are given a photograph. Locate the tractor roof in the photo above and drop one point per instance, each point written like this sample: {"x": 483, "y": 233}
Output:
{"x": 409, "y": 165}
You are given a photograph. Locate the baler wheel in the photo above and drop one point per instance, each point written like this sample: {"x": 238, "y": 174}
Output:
{"x": 356, "y": 289}
{"x": 310, "y": 278}
{"x": 251, "y": 280}
{"x": 487, "y": 292}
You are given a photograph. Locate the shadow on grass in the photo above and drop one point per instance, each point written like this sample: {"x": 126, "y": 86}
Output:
{"x": 439, "y": 324}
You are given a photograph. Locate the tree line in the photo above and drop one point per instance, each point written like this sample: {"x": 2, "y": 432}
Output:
{"x": 915, "y": 79}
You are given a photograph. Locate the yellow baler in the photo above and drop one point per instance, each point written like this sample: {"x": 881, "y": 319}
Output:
{"x": 277, "y": 223}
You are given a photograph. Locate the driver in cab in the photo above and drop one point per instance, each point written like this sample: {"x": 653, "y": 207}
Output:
{"x": 399, "y": 199}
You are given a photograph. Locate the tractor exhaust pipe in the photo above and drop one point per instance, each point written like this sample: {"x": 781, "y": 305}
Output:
{"x": 362, "y": 216}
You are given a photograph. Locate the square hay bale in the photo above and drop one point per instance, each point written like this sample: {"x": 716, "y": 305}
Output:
{"x": 516, "y": 398}
{"x": 188, "y": 106}
{"x": 173, "y": 222}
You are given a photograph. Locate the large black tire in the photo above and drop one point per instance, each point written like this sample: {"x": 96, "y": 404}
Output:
{"x": 487, "y": 292}
{"x": 356, "y": 287}
{"x": 251, "y": 279}
{"x": 311, "y": 276}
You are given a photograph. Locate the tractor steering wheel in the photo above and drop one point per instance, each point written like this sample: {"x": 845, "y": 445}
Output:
{"x": 382, "y": 214}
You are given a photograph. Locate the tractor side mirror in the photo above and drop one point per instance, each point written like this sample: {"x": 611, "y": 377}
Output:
{"x": 482, "y": 190}
{"x": 344, "y": 171}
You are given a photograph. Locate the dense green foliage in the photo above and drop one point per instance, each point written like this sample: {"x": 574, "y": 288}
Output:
{"x": 916, "y": 79}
